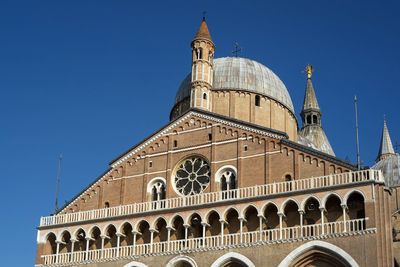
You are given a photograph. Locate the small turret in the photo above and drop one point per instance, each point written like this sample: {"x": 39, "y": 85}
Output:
{"x": 202, "y": 68}
{"x": 386, "y": 147}
{"x": 311, "y": 118}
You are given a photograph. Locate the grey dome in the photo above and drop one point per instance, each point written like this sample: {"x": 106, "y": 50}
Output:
{"x": 242, "y": 74}
{"x": 390, "y": 167}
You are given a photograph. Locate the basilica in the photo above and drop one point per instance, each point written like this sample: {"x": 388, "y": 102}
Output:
{"x": 232, "y": 181}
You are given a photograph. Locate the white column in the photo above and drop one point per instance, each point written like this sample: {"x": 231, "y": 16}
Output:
{"x": 222, "y": 230}
{"x": 186, "y": 234}
{"x": 241, "y": 220}
{"x": 169, "y": 236}
{"x": 344, "y": 207}
{"x": 205, "y": 224}
{"x": 322, "y": 220}
{"x": 118, "y": 242}
{"x": 72, "y": 248}
{"x": 73, "y": 245}
{"x": 301, "y": 212}
{"x": 260, "y": 221}
{"x": 57, "y": 249}
{"x": 280, "y": 214}
{"x": 87, "y": 247}
{"x": 134, "y": 241}
{"x": 152, "y": 231}
{"x": 103, "y": 237}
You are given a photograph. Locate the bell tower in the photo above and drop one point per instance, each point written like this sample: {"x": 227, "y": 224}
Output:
{"x": 202, "y": 68}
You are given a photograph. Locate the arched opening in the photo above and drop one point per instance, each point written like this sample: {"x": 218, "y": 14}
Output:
{"x": 318, "y": 253}
{"x": 182, "y": 261}
{"x": 257, "y": 101}
{"x": 309, "y": 119}
{"x": 232, "y": 218}
{"x": 334, "y": 211}
{"x": 252, "y": 222}
{"x": 204, "y": 96}
{"x": 156, "y": 192}
{"x": 111, "y": 240}
{"x": 356, "y": 210}
{"x": 95, "y": 243}
{"x": 51, "y": 246}
{"x": 315, "y": 119}
{"x": 291, "y": 219}
{"x": 318, "y": 258}
{"x": 233, "y": 259}
{"x": 161, "y": 233}
{"x": 80, "y": 236}
{"x": 271, "y": 216}
{"x": 65, "y": 245}
{"x": 215, "y": 225}
{"x": 292, "y": 216}
{"x": 312, "y": 215}
{"x": 144, "y": 230}
{"x": 196, "y": 229}
{"x": 179, "y": 232}
{"x": 127, "y": 236}
{"x": 228, "y": 181}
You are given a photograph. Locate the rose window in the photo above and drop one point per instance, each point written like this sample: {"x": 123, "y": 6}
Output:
{"x": 192, "y": 176}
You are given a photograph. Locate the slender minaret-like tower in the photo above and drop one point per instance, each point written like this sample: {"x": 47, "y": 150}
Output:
{"x": 311, "y": 118}
{"x": 202, "y": 68}
{"x": 386, "y": 147}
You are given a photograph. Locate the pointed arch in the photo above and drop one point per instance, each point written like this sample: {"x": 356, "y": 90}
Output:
{"x": 225, "y": 213}
{"x": 306, "y": 199}
{"x": 232, "y": 256}
{"x": 267, "y": 204}
{"x": 209, "y": 212}
{"x": 346, "y": 197}
{"x": 173, "y": 218}
{"x": 283, "y": 206}
{"x": 244, "y": 210}
{"x": 322, "y": 246}
{"x": 119, "y": 229}
{"x": 139, "y": 222}
{"x": 155, "y": 221}
{"x": 181, "y": 259}
{"x": 89, "y": 232}
{"x": 327, "y": 196}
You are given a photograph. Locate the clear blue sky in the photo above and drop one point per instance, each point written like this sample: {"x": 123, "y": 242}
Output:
{"x": 92, "y": 78}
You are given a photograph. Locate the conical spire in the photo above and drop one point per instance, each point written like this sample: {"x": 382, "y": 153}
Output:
{"x": 311, "y": 118}
{"x": 203, "y": 31}
{"x": 386, "y": 147}
{"x": 310, "y": 100}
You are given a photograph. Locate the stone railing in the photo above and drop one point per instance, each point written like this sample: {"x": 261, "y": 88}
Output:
{"x": 215, "y": 197}
{"x": 289, "y": 234}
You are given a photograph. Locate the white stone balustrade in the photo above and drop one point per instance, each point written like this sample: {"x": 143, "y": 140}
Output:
{"x": 215, "y": 197}
{"x": 265, "y": 237}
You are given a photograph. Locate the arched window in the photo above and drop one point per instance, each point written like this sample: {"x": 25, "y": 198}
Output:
{"x": 315, "y": 120}
{"x": 106, "y": 205}
{"x": 205, "y": 96}
{"x": 227, "y": 178}
{"x": 257, "y": 102}
{"x": 156, "y": 191}
{"x": 199, "y": 53}
{"x": 309, "y": 119}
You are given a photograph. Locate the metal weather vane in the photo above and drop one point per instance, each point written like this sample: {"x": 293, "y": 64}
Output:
{"x": 237, "y": 50}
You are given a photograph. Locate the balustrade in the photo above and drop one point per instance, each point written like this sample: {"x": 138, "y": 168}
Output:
{"x": 209, "y": 242}
{"x": 214, "y": 197}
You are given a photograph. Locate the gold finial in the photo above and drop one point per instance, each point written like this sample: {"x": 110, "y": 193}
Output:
{"x": 309, "y": 69}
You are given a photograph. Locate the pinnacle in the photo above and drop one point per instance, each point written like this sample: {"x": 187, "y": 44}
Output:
{"x": 310, "y": 100}
{"x": 203, "y": 31}
{"x": 386, "y": 147}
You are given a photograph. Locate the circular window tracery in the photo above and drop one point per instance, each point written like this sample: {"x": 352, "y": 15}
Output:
{"x": 192, "y": 176}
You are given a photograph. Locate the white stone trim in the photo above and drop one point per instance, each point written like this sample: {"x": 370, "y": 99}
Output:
{"x": 135, "y": 264}
{"x": 316, "y": 244}
{"x": 217, "y": 177}
{"x": 184, "y": 258}
{"x": 232, "y": 255}
{"x": 155, "y": 180}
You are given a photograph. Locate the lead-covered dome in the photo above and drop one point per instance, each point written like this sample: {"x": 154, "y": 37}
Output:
{"x": 242, "y": 74}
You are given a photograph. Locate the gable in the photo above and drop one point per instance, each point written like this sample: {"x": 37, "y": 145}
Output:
{"x": 156, "y": 145}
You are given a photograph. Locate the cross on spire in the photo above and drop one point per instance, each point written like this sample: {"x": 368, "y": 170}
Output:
{"x": 204, "y": 15}
{"x": 237, "y": 50}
